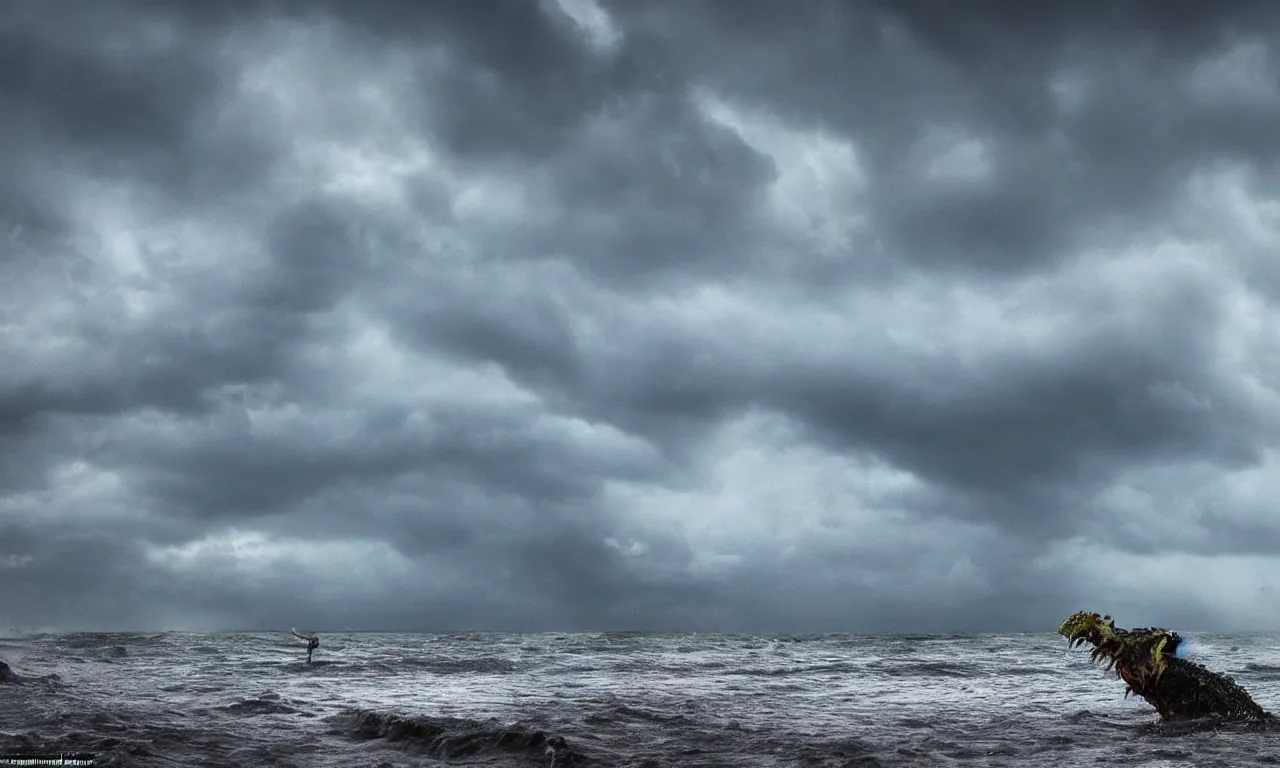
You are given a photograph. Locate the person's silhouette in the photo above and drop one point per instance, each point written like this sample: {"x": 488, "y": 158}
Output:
{"x": 313, "y": 642}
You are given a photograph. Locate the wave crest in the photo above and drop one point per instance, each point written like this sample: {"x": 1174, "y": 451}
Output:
{"x": 448, "y": 738}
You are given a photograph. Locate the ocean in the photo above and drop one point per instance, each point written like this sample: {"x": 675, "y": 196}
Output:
{"x": 627, "y": 700}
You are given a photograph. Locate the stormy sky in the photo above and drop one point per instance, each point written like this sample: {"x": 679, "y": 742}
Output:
{"x": 577, "y": 314}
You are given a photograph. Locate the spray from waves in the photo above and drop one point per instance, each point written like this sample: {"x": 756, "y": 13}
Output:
{"x": 1189, "y": 649}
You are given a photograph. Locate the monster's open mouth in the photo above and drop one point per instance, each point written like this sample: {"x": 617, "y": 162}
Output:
{"x": 1138, "y": 656}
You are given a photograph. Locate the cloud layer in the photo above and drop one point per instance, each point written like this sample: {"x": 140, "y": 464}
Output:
{"x": 578, "y": 315}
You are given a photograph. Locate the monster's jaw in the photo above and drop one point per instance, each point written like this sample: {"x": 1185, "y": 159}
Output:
{"x": 1093, "y": 628}
{"x": 1138, "y": 656}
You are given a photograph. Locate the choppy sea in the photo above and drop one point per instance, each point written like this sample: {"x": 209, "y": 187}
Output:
{"x": 626, "y": 700}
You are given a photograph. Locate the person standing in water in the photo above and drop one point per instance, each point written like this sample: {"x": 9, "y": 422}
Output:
{"x": 313, "y": 642}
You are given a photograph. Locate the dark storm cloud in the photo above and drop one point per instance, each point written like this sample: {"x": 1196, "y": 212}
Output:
{"x": 990, "y": 31}
{"x": 105, "y": 572}
{"x": 1034, "y": 423}
{"x": 672, "y": 201}
{"x": 904, "y": 69}
{"x": 225, "y": 329}
{"x": 712, "y": 315}
{"x": 124, "y": 96}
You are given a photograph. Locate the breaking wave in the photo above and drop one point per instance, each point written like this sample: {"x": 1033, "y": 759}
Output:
{"x": 445, "y": 738}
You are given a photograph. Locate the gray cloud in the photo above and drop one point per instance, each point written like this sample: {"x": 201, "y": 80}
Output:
{"x": 725, "y": 315}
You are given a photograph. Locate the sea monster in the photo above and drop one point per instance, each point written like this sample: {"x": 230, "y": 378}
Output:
{"x": 1146, "y": 660}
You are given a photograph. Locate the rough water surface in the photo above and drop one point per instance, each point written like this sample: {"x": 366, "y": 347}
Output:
{"x": 615, "y": 699}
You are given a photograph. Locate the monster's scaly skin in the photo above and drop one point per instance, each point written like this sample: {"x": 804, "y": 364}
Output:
{"x": 1145, "y": 659}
